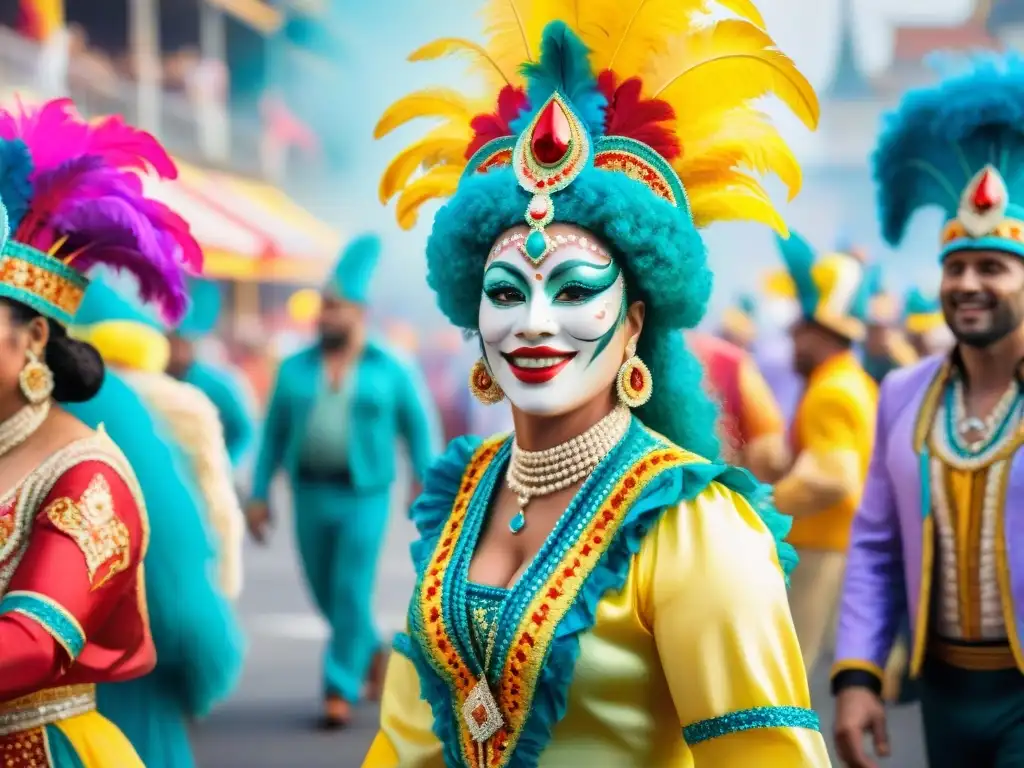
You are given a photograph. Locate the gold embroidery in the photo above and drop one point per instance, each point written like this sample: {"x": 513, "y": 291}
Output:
{"x": 92, "y": 524}
{"x": 25, "y": 749}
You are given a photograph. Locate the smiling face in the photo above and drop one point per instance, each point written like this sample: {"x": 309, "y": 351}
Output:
{"x": 982, "y": 295}
{"x": 554, "y": 333}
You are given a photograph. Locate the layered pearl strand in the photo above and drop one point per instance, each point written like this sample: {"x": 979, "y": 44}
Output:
{"x": 532, "y": 474}
{"x": 17, "y": 429}
{"x": 986, "y": 427}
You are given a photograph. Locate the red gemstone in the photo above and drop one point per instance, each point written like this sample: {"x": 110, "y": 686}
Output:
{"x": 988, "y": 193}
{"x": 636, "y": 379}
{"x": 551, "y": 135}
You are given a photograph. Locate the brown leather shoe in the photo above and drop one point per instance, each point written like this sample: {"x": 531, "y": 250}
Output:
{"x": 337, "y": 713}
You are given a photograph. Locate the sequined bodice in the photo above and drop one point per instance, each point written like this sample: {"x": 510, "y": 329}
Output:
{"x": 483, "y": 604}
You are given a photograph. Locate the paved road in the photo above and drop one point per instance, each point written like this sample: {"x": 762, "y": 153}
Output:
{"x": 269, "y": 722}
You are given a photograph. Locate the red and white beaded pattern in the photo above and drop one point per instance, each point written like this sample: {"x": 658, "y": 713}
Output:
{"x": 518, "y": 242}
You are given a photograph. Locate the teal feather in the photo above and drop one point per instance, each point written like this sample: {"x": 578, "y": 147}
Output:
{"x": 747, "y": 305}
{"x": 799, "y": 257}
{"x": 564, "y": 67}
{"x": 874, "y": 280}
{"x": 15, "y": 180}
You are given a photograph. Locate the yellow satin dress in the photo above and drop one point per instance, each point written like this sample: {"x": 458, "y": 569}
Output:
{"x": 652, "y": 629}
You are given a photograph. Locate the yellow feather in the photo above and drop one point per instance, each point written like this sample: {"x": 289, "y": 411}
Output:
{"x": 506, "y": 24}
{"x": 727, "y": 65}
{"x": 743, "y": 139}
{"x": 438, "y": 183}
{"x": 732, "y": 197}
{"x": 438, "y": 147}
{"x": 430, "y": 102}
{"x": 497, "y": 72}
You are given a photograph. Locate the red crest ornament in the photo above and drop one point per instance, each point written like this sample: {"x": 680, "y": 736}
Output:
{"x": 983, "y": 203}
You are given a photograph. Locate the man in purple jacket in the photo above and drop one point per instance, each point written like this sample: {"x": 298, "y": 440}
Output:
{"x": 939, "y": 536}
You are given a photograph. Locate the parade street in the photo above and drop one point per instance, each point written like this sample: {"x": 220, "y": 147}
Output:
{"x": 270, "y": 722}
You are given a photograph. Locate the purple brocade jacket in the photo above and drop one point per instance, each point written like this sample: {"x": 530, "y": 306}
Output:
{"x": 892, "y": 544}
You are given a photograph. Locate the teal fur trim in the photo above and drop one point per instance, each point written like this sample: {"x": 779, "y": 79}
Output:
{"x": 402, "y": 644}
{"x": 988, "y": 243}
{"x": 751, "y": 719}
{"x": 664, "y": 491}
{"x": 799, "y": 257}
{"x": 52, "y": 616}
{"x": 564, "y": 68}
{"x": 661, "y": 254}
{"x": 941, "y": 135}
{"x": 54, "y": 266}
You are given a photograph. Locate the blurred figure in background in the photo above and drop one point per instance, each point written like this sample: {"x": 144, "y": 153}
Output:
{"x": 125, "y": 334}
{"x": 925, "y": 326}
{"x": 885, "y": 346}
{"x": 225, "y": 388}
{"x": 336, "y": 413}
{"x": 751, "y": 421}
{"x": 832, "y": 435}
{"x": 739, "y": 323}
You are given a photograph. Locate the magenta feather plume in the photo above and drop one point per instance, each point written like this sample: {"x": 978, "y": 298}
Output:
{"x": 88, "y": 199}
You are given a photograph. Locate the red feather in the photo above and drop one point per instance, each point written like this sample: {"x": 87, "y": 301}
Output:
{"x": 633, "y": 117}
{"x": 487, "y": 127}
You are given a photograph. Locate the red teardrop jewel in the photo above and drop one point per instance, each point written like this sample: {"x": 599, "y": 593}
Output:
{"x": 988, "y": 193}
{"x": 551, "y": 135}
{"x": 636, "y": 379}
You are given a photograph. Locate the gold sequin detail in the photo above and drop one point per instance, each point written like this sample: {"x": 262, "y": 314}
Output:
{"x": 52, "y": 288}
{"x": 95, "y": 528}
{"x": 25, "y": 749}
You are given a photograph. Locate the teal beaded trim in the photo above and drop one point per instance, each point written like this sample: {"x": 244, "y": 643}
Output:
{"x": 402, "y": 644}
{"x": 52, "y": 616}
{"x": 751, "y": 719}
{"x": 953, "y": 439}
{"x": 486, "y": 152}
{"x": 65, "y": 282}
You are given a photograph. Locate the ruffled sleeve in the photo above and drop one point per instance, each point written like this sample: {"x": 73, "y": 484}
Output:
{"x": 714, "y": 595}
{"x": 406, "y": 736}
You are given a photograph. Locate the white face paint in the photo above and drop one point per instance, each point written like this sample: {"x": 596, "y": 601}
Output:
{"x": 553, "y": 334}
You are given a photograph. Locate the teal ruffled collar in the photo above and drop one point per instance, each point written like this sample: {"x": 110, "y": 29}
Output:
{"x": 462, "y": 476}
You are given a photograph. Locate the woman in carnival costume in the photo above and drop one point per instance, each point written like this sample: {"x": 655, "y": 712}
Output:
{"x": 597, "y": 584}
{"x": 73, "y": 529}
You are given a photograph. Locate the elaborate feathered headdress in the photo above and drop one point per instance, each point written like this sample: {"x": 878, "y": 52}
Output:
{"x": 833, "y": 289}
{"x": 645, "y": 87}
{"x": 958, "y": 145}
{"x": 71, "y": 198}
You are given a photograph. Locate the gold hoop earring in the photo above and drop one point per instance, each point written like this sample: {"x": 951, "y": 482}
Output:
{"x": 36, "y": 379}
{"x": 482, "y": 384}
{"x": 634, "y": 385}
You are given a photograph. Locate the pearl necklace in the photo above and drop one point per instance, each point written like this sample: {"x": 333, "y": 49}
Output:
{"x": 984, "y": 427}
{"x": 17, "y": 429}
{"x": 532, "y": 474}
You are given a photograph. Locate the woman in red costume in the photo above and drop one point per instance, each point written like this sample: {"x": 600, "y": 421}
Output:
{"x": 73, "y": 529}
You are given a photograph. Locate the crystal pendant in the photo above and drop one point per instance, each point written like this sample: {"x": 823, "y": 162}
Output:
{"x": 972, "y": 424}
{"x": 551, "y": 135}
{"x": 518, "y": 522}
{"x": 481, "y": 714}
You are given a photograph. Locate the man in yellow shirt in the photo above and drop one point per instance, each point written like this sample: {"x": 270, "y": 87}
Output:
{"x": 832, "y": 435}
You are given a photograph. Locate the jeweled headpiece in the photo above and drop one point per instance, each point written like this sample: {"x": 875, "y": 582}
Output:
{"x": 71, "y": 198}
{"x": 958, "y": 145}
{"x": 658, "y": 96}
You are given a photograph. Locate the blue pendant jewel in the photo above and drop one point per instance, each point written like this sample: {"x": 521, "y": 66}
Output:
{"x": 518, "y": 522}
{"x": 536, "y": 246}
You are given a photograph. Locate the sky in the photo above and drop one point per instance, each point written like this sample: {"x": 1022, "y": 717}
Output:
{"x": 378, "y": 35}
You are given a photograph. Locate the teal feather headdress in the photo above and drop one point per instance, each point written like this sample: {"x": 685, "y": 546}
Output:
{"x": 958, "y": 145}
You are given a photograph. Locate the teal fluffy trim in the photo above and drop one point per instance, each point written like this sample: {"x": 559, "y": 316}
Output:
{"x": 798, "y": 256}
{"x": 939, "y": 136}
{"x": 564, "y": 67}
{"x": 670, "y": 488}
{"x": 15, "y": 180}
{"x": 661, "y": 255}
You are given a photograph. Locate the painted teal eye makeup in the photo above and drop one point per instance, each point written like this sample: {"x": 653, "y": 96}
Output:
{"x": 578, "y": 281}
{"x": 505, "y": 286}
